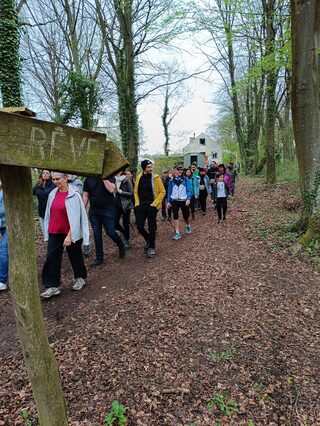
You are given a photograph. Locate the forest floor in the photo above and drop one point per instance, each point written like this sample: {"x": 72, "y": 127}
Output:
{"x": 226, "y": 316}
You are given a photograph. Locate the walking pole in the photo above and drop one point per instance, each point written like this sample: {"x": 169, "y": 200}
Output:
{"x": 169, "y": 220}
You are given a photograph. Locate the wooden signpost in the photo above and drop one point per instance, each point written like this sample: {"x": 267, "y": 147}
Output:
{"x": 26, "y": 142}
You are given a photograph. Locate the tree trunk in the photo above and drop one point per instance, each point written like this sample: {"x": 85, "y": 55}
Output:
{"x": 40, "y": 361}
{"x": 235, "y": 103}
{"x": 164, "y": 118}
{"x": 305, "y": 18}
{"x": 272, "y": 76}
{"x": 130, "y": 139}
{"x": 286, "y": 125}
{"x": 10, "y": 84}
{"x": 124, "y": 71}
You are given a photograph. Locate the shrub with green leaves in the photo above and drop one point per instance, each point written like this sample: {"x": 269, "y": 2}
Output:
{"x": 222, "y": 402}
{"x": 116, "y": 416}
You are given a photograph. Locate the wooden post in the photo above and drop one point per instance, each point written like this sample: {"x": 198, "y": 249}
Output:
{"x": 40, "y": 362}
{"x": 68, "y": 149}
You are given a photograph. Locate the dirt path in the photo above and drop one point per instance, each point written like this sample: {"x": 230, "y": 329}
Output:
{"x": 150, "y": 332}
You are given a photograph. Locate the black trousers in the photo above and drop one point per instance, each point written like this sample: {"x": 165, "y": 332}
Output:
{"x": 51, "y": 272}
{"x": 192, "y": 205}
{"x": 176, "y": 205}
{"x": 125, "y": 227}
{"x": 222, "y": 205}
{"x": 203, "y": 199}
{"x": 166, "y": 213}
{"x": 144, "y": 212}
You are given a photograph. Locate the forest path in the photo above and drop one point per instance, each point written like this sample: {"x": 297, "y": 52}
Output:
{"x": 143, "y": 331}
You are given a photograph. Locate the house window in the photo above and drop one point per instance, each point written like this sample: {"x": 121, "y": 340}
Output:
{"x": 193, "y": 159}
{"x": 214, "y": 155}
{"x": 202, "y": 141}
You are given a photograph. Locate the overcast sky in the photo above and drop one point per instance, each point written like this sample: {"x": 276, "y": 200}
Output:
{"x": 194, "y": 117}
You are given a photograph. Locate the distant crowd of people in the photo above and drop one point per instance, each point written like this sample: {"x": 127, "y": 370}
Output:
{"x": 63, "y": 201}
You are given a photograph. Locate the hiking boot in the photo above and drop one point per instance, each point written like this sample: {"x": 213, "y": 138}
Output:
{"x": 151, "y": 252}
{"x": 204, "y": 213}
{"x": 79, "y": 283}
{"x": 188, "y": 229}
{"x": 3, "y": 286}
{"x": 51, "y": 291}
{"x": 96, "y": 262}
{"x": 218, "y": 221}
{"x": 177, "y": 236}
{"x": 122, "y": 251}
{"x": 127, "y": 244}
{"x": 146, "y": 247}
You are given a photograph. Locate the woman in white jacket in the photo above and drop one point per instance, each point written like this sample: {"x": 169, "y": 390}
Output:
{"x": 65, "y": 227}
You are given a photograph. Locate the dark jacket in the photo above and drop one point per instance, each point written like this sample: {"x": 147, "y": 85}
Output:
{"x": 126, "y": 196}
{"x": 215, "y": 189}
{"x": 166, "y": 182}
{"x": 42, "y": 193}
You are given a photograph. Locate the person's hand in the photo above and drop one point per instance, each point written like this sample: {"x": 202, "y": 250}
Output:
{"x": 188, "y": 203}
{"x": 168, "y": 205}
{"x": 196, "y": 197}
{"x": 67, "y": 241}
{"x": 119, "y": 191}
{"x": 86, "y": 250}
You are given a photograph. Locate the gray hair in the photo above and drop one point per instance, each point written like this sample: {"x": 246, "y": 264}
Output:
{"x": 61, "y": 175}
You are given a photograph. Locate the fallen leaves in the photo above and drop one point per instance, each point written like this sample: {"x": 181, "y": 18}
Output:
{"x": 143, "y": 332}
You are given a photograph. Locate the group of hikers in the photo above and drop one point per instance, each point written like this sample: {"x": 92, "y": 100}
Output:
{"x": 62, "y": 208}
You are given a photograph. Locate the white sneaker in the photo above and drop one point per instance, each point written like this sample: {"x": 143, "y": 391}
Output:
{"x": 51, "y": 291}
{"x": 80, "y": 282}
{"x": 3, "y": 286}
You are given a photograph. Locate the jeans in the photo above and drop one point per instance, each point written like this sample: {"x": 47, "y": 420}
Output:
{"x": 144, "y": 212}
{"x": 51, "y": 272}
{"x": 4, "y": 256}
{"x": 107, "y": 218}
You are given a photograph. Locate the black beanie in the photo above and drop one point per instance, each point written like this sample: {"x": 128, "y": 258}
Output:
{"x": 145, "y": 163}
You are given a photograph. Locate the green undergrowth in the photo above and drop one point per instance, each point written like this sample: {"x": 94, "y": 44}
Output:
{"x": 273, "y": 222}
{"x": 286, "y": 171}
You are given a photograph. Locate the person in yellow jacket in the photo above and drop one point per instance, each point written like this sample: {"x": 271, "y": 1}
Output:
{"x": 148, "y": 195}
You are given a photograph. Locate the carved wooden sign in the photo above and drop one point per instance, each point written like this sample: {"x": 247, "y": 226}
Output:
{"x": 29, "y": 142}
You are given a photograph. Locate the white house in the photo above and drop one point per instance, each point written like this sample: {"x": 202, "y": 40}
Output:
{"x": 202, "y": 149}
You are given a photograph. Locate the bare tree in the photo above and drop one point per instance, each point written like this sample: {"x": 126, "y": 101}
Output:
{"x": 64, "y": 57}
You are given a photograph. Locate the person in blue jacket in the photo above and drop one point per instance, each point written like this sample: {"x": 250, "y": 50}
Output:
{"x": 179, "y": 197}
{"x": 4, "y": 254}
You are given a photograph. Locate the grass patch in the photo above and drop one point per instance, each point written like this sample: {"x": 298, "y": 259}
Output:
{"x": 286, "y": 171}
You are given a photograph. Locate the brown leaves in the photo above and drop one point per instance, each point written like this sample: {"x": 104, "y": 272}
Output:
{"x": 143, "y": 332}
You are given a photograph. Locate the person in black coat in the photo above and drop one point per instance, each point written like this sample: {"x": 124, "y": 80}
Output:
{"x": 42, "y": 190}
{"x": 124, "y": 205}
{"x": 166, "y": 214}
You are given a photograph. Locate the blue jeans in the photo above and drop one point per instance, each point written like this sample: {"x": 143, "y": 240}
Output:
{"x": 4, "y": 256}
{"x": 107, "y": 218}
